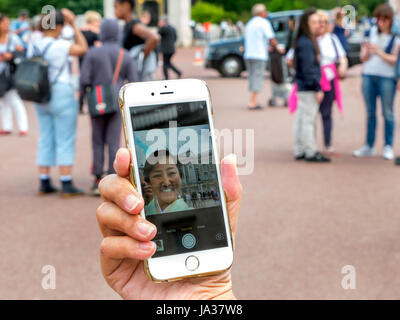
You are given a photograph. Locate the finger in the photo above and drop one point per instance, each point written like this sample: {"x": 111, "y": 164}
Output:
{"x": 119, "y": 190}
{"x": 232, "y": 188}
{"x": 114, "y": 221}
{"x": 117, "y": 248}
{"x": 230, "y": 179}
{"x": 122, "y": 162}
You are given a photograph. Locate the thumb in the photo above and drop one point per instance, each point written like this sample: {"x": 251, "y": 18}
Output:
{"x": 232, "y": 188}
{"x": 122, "y": 162}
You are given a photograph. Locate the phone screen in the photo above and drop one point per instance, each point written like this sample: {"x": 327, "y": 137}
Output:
{"x": 178, "y": 176}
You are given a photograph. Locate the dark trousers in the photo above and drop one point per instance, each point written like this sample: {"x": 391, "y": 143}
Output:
{"x": 168, "y": 65}
{"x": 106, "y": 130}
{"x": 326, "y": 112}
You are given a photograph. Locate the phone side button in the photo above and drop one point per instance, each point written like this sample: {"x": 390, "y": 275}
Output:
{"x": 132, "y": 175}
{"x": 192, "y": 263}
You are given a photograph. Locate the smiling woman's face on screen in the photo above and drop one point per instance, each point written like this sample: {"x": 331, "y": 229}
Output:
{"x": 165, "y": 180}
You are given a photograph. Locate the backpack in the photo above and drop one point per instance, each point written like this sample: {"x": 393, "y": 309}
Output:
{"x": 275, "y": 60}
{"x": 31, "y": 78}
{"x": 101, "y": 98}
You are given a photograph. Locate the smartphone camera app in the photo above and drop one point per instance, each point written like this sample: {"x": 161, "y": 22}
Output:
{"x": 178, "y": 176}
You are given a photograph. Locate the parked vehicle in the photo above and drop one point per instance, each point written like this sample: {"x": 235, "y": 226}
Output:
{"x": 226, "y": 55}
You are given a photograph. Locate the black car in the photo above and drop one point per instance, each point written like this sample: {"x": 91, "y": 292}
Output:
{"x": 226, "y": 55}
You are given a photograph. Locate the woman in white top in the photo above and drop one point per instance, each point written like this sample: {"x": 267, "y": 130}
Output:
{"x": 11, "y": 101}
{"x": 58, "y": 118}
{"x": 379, "y": 53}
{"x": 332, "y": 54}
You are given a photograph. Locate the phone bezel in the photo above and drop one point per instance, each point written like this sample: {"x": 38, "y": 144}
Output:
{"x": 187, "y": 90}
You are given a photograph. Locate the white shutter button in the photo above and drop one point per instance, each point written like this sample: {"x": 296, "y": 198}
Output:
{"x": 192, "y": 263}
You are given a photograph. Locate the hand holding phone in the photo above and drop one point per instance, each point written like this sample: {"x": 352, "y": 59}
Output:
{"x": 169, "y": 132}
{"x": 124, "y": 248}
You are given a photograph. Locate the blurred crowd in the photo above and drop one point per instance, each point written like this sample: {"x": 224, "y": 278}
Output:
{"x": 48, "y": 61}
{"x": 86, "y": 66}
{"x": 307, "y": 71}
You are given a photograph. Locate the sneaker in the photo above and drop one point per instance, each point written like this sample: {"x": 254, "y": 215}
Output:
{"x": 329, "y": 149}
{"x": 388, "y": 153}
{"x": 95, "y": 188}
{"x": 300, "y": 157}
{"x": 69, "y": 190}
{"x": 23, "y": 133}
{"x": 258, "y": 107}
{"x": 364, "y": 151}
{"x": 5, "y": 132}
{"x": 318, "y": 157}
{"x": 397, "y": 161}
{"x": 46, "y": 187}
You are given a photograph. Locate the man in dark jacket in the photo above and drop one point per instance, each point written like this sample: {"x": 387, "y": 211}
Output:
{"x": 98, "y": 68}
{"x": 168, "y": 39}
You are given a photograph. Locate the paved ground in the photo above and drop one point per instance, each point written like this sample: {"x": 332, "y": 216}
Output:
{"x": 299, "y": 224}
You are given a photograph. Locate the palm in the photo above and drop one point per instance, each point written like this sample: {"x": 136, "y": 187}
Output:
{"x": 130, "y": 281}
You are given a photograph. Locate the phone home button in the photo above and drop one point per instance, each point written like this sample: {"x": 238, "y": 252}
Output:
{"x": 192, "y": 263}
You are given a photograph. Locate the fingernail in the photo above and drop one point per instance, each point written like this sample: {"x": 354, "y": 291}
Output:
{"x": 146, "y": 246}
{"x": 131, "y": 202}
{"x": 145, "y": 228}
{"x": 231, "y": 159}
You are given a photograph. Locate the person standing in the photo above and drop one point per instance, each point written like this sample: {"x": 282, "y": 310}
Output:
{"x": 91, "y": 33}
{"x": 58, "y": 118}
{"x": 145, "y": 18}
{"x": 379, "y": 53}
{"x": 259, "y": 35}
{"x": 92, "y": 28}
{"x": 224, "y": 27}
{"x": 106, "y": 128}
{"x": 21, "y": 25}
{"x": 138, "y": 39}
{"x": 11, "y": 101}
{"x": 339, "y": 31}
{"x": 239, "y": 27}
{"x": 333, "y": 62}
{"x": 307, "y": 84}
{"x": 168, "y": 39}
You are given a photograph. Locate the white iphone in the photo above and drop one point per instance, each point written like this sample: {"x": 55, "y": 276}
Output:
{"x": 169, "y": 131}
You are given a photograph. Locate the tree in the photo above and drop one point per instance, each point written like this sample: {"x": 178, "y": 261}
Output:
{"x": 239, "y": 6}
{"x": 207, "y": 12}
{"x": 12, "y": 7}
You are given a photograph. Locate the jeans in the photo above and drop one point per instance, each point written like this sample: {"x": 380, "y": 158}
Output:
{"x": 168, "y": 65}
{"x": 326, "y": 112}
{"x": 106, "y": 130}
{"x": 57, "y": 122}
{"x": 385, "y": 88}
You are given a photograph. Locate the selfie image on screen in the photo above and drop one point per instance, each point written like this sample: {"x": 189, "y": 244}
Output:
{"x": 178, "y": 176}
